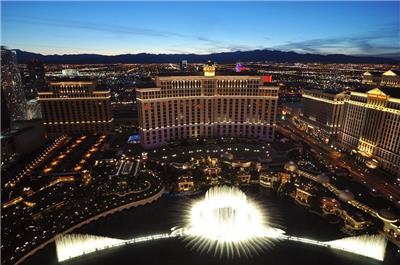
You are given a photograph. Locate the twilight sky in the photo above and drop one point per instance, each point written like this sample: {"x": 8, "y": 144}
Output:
{"x": 357, "y": 28}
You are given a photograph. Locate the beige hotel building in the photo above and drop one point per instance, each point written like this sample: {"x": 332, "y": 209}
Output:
{"x": 322, "y": 112}
{"x": 206, "y": 106}
{"x": 75, "y": 107}
{"x": 389, "y": 78}
{"x": 371, "y": 126}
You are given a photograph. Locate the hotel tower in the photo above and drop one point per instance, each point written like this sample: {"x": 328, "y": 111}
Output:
{"x": 75, "y": 107}
{"x": 371, "y": 127}
{"x": 207, "y": 106}
{"x": 322, "y": 113}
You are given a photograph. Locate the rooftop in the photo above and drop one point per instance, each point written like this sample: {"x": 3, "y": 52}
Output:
{"x": 72, "y": 83}
{"x": 217, "y": 74}
{"x": 381, "y": 73}
{"x": 373, "y": 73}
{"x": 391, "y": 91}
{"x": 331, "y": 91}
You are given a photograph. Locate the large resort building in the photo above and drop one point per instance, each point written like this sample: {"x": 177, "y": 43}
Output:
{"x": 371, "y": 127}
{"x": 322, "y": 113}
{"x": 390, "y": 78}
{"x": 365, "y": 122}
{"x": 206, "y": 106}
{"x": 75, "y": 107}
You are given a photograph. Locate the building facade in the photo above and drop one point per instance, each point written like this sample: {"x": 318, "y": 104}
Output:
{"x": 11, "y": 84}
{"x": 206, "y": 106}
{"x": 33, "y": 77}
{"x": 23, "y": 138}
{"x": 322, "y": 113}
{"x": 75, "y": 108}
{"x": 5, "y": 114}
{"x": 390, "y": 78}
{"x": 34, "y": 110}
{"x": 184, "y": 66}
{"x": 371, "y": 127}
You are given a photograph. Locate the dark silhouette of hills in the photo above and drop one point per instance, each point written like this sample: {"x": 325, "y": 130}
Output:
{"x": 223, "y": 57}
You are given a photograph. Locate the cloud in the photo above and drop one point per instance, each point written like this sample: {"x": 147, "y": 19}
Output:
{"x": 109, "y": 28}
{"x": 93, "y": 26}
{"x": 205, "y": 42}
{"x": 385, "y": 39}
{"x": 213, "y": 46}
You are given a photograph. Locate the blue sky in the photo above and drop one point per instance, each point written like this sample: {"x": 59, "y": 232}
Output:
{"x": 358, "y": 28}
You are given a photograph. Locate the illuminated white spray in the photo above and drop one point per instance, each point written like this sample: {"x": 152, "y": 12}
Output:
{"x": 75, "y": 245}
{"x": 225, "y": 222}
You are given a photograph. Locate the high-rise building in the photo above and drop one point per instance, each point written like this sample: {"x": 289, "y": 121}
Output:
{"x": 322, "y": 112}
{"x": 23, "y": 138}
{"x": 206, "y": 106}
{"x": 390, "y": 78}
{"x": 75, "y": 107}
{"x": 371, "y": 127}
{"x": 184, "y": 65}
{"x": 11, "y": 85}
{"x": 238, "y": 67}
{"x": 5, "y": 115}
{"x": 34, "y": 110}
{"x": 70, "y": 72}
{"x": 33, "y": 77}
{"x": 241, "y": 68}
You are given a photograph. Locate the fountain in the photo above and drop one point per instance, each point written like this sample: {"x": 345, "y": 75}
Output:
{"x": 224, "y": 222}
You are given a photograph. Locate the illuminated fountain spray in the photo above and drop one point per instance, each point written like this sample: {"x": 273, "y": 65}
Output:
{"x": 372, "y": 246}
{"x": 227, "y": 223}
{"x": 74, "y": 245}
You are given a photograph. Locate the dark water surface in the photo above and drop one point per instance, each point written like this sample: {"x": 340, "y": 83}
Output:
{"x": 167, "y": 212}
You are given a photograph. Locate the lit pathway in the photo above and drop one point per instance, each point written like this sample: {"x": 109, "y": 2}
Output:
{"x": 337, "y": 192}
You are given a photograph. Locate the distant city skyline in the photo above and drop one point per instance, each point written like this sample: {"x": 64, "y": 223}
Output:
{"x": 353, "y": 28}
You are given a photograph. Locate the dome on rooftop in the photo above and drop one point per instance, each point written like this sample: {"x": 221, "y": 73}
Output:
{"x": 322, "y": 178}
{"x": 346, "y": 196}
{"x": 290, "y": 166}
{"x": 228, "y": 156}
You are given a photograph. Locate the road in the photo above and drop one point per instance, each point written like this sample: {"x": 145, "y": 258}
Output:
{"x": 391, "y": 191}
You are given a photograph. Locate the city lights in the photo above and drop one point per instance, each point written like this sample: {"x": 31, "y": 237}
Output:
{"x": 257, "y": 141}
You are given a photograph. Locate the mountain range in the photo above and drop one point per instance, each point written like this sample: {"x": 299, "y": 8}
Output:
{"x": 223, "y": 57}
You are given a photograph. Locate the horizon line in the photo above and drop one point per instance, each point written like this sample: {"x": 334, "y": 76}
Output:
{"x": 383, "y": 56}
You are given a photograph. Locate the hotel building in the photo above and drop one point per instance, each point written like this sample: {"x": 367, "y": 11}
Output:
{"x": 12, "y": 94}
{"x": 206, "y": 106}
{"x": 75, "y": 108}
{"x": 389, "y": 78}
{"x": 371, "y": 127}
{"x": 322, "y": 112}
